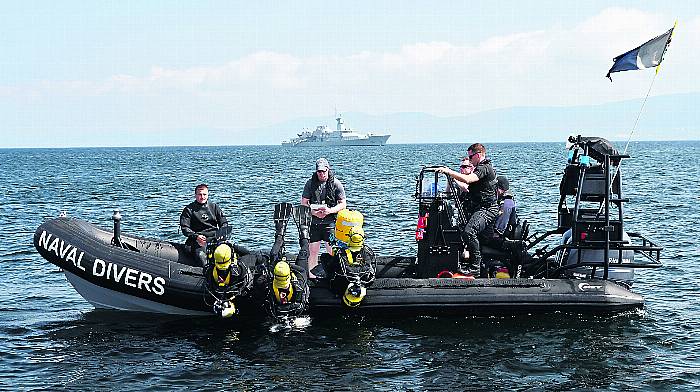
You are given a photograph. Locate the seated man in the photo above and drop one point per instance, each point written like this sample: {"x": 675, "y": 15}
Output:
{"x": 482, "y": 209}
{"x": 497, "y": 234}
{"x": 199, "y": 222}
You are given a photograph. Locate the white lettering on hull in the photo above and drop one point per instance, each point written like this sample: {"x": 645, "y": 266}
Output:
{"x": 107, "y": 270}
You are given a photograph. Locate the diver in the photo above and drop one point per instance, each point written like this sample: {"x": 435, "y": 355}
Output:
{"x": 282, "y": 287}
{"x": 199, "y": 221}
{"x": 352, "y": 267}
{"x": 227, "y": 278}
{"x": 285, "y": 293}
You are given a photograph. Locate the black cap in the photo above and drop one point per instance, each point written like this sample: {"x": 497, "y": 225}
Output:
{"x": 502, "y": 183}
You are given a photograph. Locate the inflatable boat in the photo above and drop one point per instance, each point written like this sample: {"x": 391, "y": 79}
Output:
{"x": 587, "y": 268}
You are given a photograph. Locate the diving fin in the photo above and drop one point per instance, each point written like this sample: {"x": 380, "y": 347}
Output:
{"x": 302, "y": 218}
{"x": 282, "y": 213}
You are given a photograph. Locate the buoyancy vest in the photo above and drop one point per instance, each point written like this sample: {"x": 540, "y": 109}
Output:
{"x": 330, "y": 199}
{"x": 483, "y": 192}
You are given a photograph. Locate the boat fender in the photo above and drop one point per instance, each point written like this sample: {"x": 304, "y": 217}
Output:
{"x": 444, "y": 274}
{"x": 457, "y": 275}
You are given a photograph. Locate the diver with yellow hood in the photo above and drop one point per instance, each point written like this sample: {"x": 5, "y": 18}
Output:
{"x": 282, "y": 287}
{"x": 351, "y": 268}
{"x": 226, "y": 276}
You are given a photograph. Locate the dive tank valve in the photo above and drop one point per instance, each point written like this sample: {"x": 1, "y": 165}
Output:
{"x": 117, "y": 218}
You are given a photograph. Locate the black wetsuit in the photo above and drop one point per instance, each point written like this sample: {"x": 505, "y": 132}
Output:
{"x": 483, "y": 208}
{"x": 203, "y": 219}
{"x": 360, "y": 270}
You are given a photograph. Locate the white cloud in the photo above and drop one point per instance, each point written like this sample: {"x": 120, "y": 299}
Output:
{"x": 552, "y": 66}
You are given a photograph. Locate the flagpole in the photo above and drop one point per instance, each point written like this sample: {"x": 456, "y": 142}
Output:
{"x": 639, "y": 115}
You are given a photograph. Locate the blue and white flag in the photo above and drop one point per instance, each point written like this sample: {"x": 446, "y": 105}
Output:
{"x": 647, "y": 55}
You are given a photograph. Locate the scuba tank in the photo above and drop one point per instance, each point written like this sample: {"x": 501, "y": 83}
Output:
{"x": 282, "y": 288}
{"x": 345, "y": 221}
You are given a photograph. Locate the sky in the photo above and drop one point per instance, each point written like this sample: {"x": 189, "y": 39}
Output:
{"x": 77, "y": 73}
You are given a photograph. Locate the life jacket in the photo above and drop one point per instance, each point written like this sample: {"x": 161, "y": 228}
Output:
{"x": 330, "y": 199}
{"x": 483, "y": 192}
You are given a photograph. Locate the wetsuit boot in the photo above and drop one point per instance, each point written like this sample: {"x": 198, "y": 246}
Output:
{"x": 302, "y": 218}
{"x": 282, "y": 213}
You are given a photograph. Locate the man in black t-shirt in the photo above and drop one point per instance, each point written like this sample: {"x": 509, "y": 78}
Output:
{"x": 325, "y": 194}
{"x": 483, "y": 204}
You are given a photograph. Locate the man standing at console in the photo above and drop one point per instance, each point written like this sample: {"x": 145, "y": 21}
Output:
{"x": 483, "y": 204}
{"x": 199, "y": 221}
{"x": 325, "y": 195}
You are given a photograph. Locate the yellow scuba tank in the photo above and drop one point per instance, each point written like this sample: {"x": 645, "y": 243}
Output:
{"x": 282, "y": 282}
{"x": 344, "y": 222}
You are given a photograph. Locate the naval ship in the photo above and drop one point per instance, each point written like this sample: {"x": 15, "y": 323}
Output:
{"x": 341, "y": 136}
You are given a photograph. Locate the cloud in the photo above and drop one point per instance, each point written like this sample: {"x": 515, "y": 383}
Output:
{"x": 555, "y": 65}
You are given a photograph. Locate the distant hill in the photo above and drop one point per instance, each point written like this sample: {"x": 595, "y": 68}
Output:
{"x": 668, "y": 117}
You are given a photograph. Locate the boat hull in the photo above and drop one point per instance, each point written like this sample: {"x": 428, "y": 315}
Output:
{"x": 112, "y": 277}
{"x": 375, "y": 140}
{"x": 156, "y": 276}
{"x": 486, "y": 296}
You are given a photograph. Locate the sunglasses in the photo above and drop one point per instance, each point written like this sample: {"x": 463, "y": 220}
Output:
{"x": 466, "y": 166}
{"x": 321, "y": 171}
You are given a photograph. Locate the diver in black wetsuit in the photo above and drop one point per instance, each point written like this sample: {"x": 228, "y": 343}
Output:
{"x": 351, "y": 268}
{"x": 227, "y": 277}
{"x": 282, "y": 287}
{"x": 199, "y": 221}
{"x": 482, "y": 203}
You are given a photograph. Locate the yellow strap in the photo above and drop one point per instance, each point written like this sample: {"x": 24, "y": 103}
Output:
{"x": 348, "y": 252}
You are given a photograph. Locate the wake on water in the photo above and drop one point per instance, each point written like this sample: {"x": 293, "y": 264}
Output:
{"x": 293, "y": 323}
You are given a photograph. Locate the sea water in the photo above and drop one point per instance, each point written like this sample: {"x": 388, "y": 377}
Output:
{"x": 52, "y": 339}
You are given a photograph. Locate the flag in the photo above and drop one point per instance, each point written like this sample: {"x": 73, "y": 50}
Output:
{"x": 647, "y": 55}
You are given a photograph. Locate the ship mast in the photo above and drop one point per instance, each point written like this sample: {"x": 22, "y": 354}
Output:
{"x": 340, "y": 122}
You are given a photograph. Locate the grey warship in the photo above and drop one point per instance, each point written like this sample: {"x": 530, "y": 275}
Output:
{"x": 341, "y": 136}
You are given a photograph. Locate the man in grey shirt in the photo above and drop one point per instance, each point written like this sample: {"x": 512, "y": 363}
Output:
{"x": 326, "y": 196}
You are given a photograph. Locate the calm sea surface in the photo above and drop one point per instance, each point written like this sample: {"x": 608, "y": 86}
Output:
{"x": 52, "y": 339}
